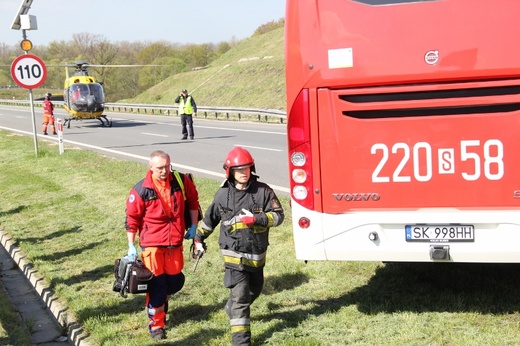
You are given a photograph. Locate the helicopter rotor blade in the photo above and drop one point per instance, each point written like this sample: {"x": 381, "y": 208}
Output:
{"x": 94, "y": 65}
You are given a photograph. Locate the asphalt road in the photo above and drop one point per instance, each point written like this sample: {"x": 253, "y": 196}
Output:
{"x": 134, "y": 137}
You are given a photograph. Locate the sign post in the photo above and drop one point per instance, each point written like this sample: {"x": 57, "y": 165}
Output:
{"x": 29, "y": 72}
{"x": 60, "y": 135}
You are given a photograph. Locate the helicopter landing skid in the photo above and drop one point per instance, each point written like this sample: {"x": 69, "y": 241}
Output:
{"x": 105, "y": 121}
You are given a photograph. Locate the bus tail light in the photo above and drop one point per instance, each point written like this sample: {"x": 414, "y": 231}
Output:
{"x": 300, "y": 163}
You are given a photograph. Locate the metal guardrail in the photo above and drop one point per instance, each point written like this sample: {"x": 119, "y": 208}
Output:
{"x": 226, "y": 113}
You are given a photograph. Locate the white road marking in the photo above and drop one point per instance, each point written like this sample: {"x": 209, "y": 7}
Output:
{"x": 248, "y": 146}
{"x": 145, "y": 159}
{"x": 153, "y": 134}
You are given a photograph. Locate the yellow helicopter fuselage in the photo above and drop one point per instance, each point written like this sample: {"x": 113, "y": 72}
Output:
{"x": 83, "y": 97}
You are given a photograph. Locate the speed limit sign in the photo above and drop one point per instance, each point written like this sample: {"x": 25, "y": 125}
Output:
{"x": 28, "y": 71}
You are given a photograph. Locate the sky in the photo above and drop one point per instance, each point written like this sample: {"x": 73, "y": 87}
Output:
{"x": 188, "y": 21}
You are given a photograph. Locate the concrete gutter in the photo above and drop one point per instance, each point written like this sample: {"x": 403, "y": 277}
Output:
{"x": 65, "y": 318}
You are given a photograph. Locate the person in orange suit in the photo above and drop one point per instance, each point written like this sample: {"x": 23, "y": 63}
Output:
{"x": 48, "y": 114}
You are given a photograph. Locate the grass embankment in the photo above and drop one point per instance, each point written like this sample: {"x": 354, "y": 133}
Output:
{"x": 66, "y": 213}
{"x": 249, "y": 75}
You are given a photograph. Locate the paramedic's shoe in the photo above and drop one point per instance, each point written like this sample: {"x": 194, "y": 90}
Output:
{"x": 45, "y": 133}
{"x": 158, "y": 334}
{"x": 184, "y": 138}
{"x": 54, "y": 133}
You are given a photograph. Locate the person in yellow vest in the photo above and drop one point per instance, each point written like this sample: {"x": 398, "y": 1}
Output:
{"x": 187, "y": 109}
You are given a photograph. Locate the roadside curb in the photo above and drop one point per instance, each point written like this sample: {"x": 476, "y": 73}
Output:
{"x": 75, "y": 333}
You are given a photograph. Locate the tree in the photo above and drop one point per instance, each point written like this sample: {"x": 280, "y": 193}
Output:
{"x": 198, "y": 55}
{"x": 153, "y": 51}
{"x": 151, "y": 75}
{"x": 97, "y": 50}
{"x": 221, "y": 48}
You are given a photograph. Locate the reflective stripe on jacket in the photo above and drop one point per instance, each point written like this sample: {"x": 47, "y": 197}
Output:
{"x": 145, "y": 213}
{"x": 243, "y": 247}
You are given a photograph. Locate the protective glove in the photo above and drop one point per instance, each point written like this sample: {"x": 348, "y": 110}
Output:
{"x": 132, "y": 252}
{"x": 247, "y": 217}
{"x": 190, "y": 234}
{"x": 199, "y": 249}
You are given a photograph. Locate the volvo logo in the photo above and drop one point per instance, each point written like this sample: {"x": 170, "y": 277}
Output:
{"x": 432, "y": 57}
{"x": 357, "y": 197}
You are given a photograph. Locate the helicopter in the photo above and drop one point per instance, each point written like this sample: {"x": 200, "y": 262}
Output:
{"x": 83, "y": 96}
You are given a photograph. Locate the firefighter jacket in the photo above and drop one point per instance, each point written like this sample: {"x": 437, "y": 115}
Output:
{"x": 243, "y": 247}
{"x": 48, "y": 107}
{"x": 146, "y": 215}
{"x": 187, "y": 105}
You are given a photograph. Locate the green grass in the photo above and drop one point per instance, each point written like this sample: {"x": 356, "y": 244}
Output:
{"x": 66, "y": 213}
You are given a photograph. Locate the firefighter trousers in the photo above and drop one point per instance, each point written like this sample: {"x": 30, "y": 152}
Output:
{"x": 244, "y": 287}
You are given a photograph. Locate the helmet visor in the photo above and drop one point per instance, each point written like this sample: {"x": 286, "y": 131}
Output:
{"x": 242, "y": 166}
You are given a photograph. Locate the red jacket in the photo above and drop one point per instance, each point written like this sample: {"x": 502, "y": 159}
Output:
{"x": 145, "y": 213}
{"x": 48, "y": 107}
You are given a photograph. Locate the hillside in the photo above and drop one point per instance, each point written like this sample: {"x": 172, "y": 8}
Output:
{"x": 250, "y": 75}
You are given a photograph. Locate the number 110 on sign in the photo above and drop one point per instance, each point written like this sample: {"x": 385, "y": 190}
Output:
{"x": 31, "y": 71}
{"x": 28, "y": 71}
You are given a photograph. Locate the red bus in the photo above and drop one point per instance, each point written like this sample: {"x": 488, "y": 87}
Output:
{"x": 403, "y": 120}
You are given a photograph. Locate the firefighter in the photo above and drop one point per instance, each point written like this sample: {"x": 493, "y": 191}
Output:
{"x": 48, "y": 114}
{"x": 245, "y": 208}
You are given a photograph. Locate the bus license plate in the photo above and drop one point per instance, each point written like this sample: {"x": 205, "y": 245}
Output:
{"x": 440, "y": 233}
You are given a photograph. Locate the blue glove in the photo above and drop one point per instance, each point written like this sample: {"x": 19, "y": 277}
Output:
{"x": 132, "y": 252}
{"x": 190, "y": 234}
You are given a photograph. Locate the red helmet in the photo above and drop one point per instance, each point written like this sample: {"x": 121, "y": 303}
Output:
{"x": 238, "y": 157}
